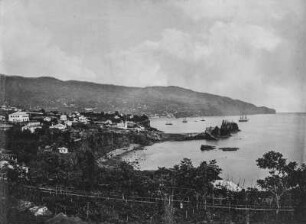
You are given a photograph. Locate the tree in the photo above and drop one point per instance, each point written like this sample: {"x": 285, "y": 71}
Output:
{"x": 206, "y": 174}
{"x": 281, "y": 175}
{"x": 300, "y": 193}
{"x": 87, "y": 163}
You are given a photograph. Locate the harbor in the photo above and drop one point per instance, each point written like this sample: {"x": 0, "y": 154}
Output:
{"x": 253, "y": 140}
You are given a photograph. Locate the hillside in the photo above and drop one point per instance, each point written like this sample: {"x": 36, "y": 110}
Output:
{"x": 51, "y": 93}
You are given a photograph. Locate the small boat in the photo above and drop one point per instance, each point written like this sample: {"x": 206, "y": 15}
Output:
{"x": 185, "y": 120}
{"x": 169, "y": 123}
{"x": 243, "y": 118}
{"x": 202, "y": 120}
{"x": 229, "y": 149}
{"x": 207, "y": 147}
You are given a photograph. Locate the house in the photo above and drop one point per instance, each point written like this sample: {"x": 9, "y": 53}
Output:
{"x": 47, "y": 119}
{"x": 4, "y": 126}
{"x": 68, "y": 123}
{"x": 2, "y": 118}
{"x": 31, "y": 126}
{"x": 83, "y": 119}
{"x": 48, "y": 148}
{"x": 140, "y": 128}
{"x": 58, "y": 126}
{"x": 14, "y": 108}
{"x": 25, "y": 168}
{"x": 122, "y": 125}
{"x": 89, "y": 109}
{"x": 74, "y": 119}
{"x": 7, "y": 155}
{"x": 131, "y": 124}
{"x": 19, "y": 117}
{"x": 63, "y": 150}
{"x": 63, "y": 117}
{"x": 4, "y": 163}
{"x": 108, "y": 123}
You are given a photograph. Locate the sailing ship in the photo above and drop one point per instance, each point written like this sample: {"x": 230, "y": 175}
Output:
{"x": 168, "y": 116}
{"x": 243, "y": 118}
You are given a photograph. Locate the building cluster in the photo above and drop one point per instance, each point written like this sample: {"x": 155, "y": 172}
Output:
{"x": 8, "y": 160}
{"x": 76, "y": 124}
{"x": 32, "y": 120}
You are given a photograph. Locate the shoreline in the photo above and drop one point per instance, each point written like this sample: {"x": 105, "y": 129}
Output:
{"x": 156, "y": 136}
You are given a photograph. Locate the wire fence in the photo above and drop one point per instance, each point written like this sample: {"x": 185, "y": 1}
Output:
{"x": 209, "y": 202}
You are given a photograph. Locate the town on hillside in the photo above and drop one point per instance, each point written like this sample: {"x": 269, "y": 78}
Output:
{"x": 65, "y": 133}
{"x": 33, "y": 119}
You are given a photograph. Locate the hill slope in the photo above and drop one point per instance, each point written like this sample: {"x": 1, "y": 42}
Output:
{"x": 47, "y": 92}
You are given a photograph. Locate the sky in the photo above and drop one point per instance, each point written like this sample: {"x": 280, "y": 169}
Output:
{"x": 252, "y": 50}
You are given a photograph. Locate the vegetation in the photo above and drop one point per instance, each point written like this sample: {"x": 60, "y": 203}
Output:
{"x": 171, "y": 195}
{"x": 75, "y": 95}
{"x": 280, "y": 180}
{"x": 178, "y": 194}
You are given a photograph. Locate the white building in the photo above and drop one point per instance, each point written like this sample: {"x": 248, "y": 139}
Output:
{"x": 83, "y": 119}
{"x": 31, "y": 126}
{"x": 18, "y": 117}
{"x": 68, "y": 123}
{"x": 89, "y": 109}
{"x": 122, "y": 125}
{"x": 108, "y": 122}
{"x": 63, "y": 117}
{"x": 58, "y": 126}
{"x": 47, "y": 119}
{"x": 63, "y": 150}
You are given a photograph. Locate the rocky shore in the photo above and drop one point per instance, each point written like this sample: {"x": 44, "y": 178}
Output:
{"x": 211, "y": 133}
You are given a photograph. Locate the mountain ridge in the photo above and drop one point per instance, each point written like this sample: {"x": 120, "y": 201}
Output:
{"x": 49, "y": 92}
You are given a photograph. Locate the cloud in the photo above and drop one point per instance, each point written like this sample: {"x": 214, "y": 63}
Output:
{"x": 249, "y": 11}
{"x": 254, "y": 36}
{"x": 137, "y": 66}
{"x": 251, "y": 50}
{"x": 175, "y": 55}
{"x": 27, "y": 50}
{"x": 237, "y": 48}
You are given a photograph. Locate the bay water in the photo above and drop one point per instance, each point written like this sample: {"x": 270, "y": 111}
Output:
{"x": 282, "y": 132}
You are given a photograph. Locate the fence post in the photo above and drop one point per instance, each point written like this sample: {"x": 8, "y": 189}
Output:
{"x": 87, "y": 212}
{"x": 205, "y": 204}
{"x": 247, "y": 217}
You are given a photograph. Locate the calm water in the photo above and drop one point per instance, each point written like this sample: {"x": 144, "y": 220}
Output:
{"x": 285, "y": 133}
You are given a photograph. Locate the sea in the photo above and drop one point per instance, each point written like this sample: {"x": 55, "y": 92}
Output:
{"x": 281, "y": 132}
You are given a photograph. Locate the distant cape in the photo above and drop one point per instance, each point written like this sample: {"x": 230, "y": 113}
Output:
{"x": 51, "y": 93}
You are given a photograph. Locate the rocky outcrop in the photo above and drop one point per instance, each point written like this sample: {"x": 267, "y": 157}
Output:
{"x": 211, "y": 133}
{"x": 227, "y": 128}
{"x": 207, "y": 147}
